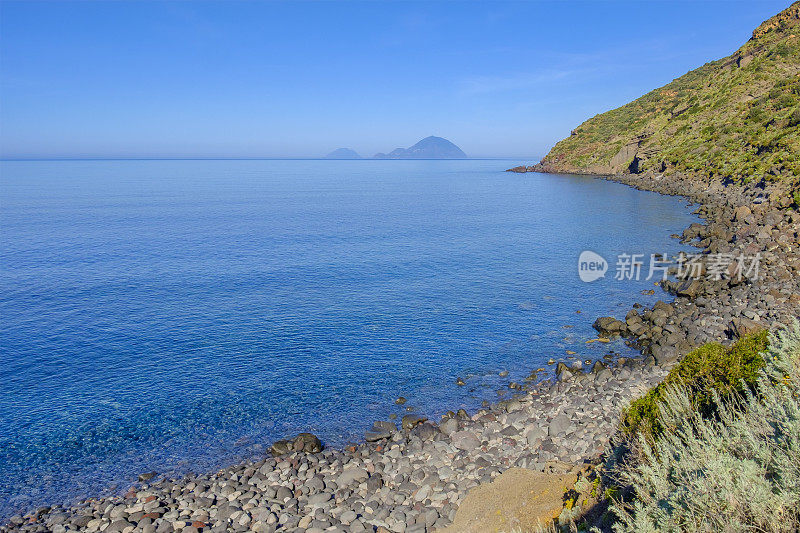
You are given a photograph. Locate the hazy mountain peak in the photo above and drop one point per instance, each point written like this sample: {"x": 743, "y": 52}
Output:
{"x": 343, "y": 153}
{"x": 431, "y": 147}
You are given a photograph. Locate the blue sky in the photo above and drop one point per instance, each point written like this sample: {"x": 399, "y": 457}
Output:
{"x": 281, "y": 79}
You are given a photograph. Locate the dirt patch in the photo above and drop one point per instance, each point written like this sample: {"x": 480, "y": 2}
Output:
{"x": 519, "y": 500}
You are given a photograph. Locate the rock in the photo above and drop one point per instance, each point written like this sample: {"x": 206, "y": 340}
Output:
{"x": 422, "y": 493}
{"x": 374, "y": 483}
{"x": 280, "y": 447}
{"x": 519, "y": 496}
{"x": 147, "y": 476}
{"x": 307, "y": 442}
{"x": 424, "y": 431}
{"x": 606, "y": 325}
{"x": 118, "y": 526}
{"x": 535, "y": 435}
{"x": 741, "y": 212}
{"x": 380, "y": 430}
{"x": 347, "y": 517}
{"x": 400, "y": 401}
{"x": 409, "y": 421}
{"x": 465, "y": 440}
{"x": 449, "y": 426}
{"x": 664, "y": 354}
{"x": 690, "y": 288}
{"x": 740, "y": 327}
{"x": 560, "y": 424}
{"x": 351, "y": 475}
{"x": 304, "y": 442}
{"x": 319, "y": 499}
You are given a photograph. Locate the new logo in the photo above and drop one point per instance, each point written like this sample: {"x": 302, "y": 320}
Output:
{"x": 591, "y": 266}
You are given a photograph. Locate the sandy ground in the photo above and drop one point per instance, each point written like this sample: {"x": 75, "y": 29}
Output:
{"x": 520, "y": 500}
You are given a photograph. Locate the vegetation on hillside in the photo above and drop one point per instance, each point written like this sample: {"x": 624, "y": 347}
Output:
{"x": 710, "y": 371}
{"x": 720, "y": 461}
{"x": 737, "y": 471}
{"x": 737, "y": 118}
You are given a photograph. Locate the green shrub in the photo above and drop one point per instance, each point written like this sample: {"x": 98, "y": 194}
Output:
{"x": 739, "y": 471}
{"x": 794, "y": 118}
{"x": 708, "y": 370}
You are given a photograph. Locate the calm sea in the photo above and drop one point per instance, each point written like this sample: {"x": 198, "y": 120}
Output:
{"x": 180, "y": 315}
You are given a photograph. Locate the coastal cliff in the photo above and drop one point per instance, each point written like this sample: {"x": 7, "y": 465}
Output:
{"x": 737, "y": 118}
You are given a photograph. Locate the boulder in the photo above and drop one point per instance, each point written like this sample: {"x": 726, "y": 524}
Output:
{"x": 425, "y": 431}
{"x": 740, "y": 327}
{"x": 607, "y": 325}
{"x": 559, "y": 424}
{"x": 307, "y": 442}
{"x": 741, "y": 212}
{"x": 449, "y": 426}
{"x": 351, "y": 475}
{"x": 664, "y": 354}
{"x": 380, "y": 430}
{"x": 535, "y": 435}
{"x": 304, "y": 442}
{"x": 690, "y": 288}
{"x": 465, "y": 440}
{"x": 147, "y": 476}
{"x": 409, "y": 421}
{"x": 318, "y": 499}
{"x": 280, "y": 447}
{"x": 598, "y": 367}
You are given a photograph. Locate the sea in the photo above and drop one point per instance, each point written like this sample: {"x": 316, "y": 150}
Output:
{"x": 179, "y": 316}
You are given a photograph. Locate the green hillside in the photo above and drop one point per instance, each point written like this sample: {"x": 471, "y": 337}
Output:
{"x": 737, "y": 117}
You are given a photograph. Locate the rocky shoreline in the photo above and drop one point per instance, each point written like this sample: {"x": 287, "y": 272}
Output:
{"x": 413, "y": 479}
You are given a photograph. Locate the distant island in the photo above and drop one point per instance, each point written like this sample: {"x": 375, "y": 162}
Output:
{"x": 343, "y": 153}
{"x": 428, "y": 148}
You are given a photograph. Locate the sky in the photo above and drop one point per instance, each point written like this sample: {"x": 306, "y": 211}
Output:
{"x": 299, "y": 79}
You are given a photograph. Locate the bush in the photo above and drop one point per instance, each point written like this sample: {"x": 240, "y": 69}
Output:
{"x": 712, "y": 369}
{"x": 739, "y": 471}
{"x": 794, "y": 118}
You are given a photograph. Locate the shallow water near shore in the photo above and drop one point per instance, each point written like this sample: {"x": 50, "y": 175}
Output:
{"x": 181, "y": 315}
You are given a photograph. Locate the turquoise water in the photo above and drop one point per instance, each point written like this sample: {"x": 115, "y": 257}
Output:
{"x": 181, "y": 315}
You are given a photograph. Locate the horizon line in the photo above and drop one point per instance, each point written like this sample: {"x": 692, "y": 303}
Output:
{"x": 147, "y": 158}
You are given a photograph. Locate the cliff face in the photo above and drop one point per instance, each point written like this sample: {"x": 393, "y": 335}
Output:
{"x": 737, "y": 117}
